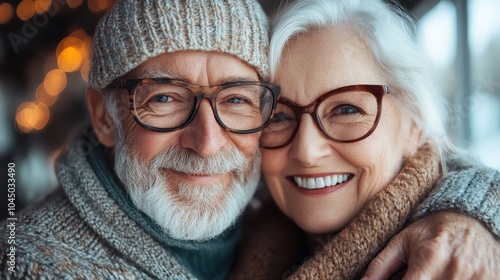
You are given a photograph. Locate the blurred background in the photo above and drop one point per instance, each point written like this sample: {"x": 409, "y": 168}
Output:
{"x": 44, "y": 51}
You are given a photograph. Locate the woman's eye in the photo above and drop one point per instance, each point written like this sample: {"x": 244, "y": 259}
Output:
{"x": 279, "y": 117}
{"x": 348, "y": 109}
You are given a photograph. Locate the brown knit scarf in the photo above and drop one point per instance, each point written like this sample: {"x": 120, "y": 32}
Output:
{"x": 347, "y": 254}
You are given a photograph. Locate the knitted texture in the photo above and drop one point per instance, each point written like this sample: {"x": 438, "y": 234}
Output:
{"x": 469, "y": 189}
{"x": 134, "y": 31}
{"x": 79, "y": 232}
{"x": 268, "y": 245}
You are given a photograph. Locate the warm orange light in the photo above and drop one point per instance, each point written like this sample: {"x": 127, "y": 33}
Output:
{"x": 79, "y": 34}
{"x": 43, "y": 115}
{"x": 97, "y": 6}
{"x": 6, "y": 12}
{"x": 74, "y": 3}
{"x": 70, "y": 59}
{"x": 42, "y": 6}
{"x": 55, "y": 82}
{"x": 84, "y": 43}
{"x": 32, "y": 115}
{"x": 43, "y": 96}
{"x": 25, "y": 9}
{"x": 69, "y": 41}
{"x": 22, "y": 114}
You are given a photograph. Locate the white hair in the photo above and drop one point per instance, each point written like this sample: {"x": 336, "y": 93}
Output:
{"x": 390, "y": 33}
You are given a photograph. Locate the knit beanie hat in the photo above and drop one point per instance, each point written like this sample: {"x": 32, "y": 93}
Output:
{"x": 134, "y": 31}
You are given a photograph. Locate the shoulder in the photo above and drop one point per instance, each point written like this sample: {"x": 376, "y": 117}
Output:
{"x": 50, "y": 239}
{"x": 32, "y": 257}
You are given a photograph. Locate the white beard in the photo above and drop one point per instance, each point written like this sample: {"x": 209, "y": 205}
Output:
{"x": 195, "y": 212}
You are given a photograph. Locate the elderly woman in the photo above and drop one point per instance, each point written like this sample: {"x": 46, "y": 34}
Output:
{"x": 356, "y": 142}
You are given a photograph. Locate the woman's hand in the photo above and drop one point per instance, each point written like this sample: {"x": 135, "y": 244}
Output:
{"x": 443, "y": 245}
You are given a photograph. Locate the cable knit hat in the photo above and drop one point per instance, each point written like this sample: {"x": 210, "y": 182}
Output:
{"x": 134, "y": 31}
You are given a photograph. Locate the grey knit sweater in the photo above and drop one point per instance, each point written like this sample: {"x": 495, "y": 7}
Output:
{"x": 79, "y": 231}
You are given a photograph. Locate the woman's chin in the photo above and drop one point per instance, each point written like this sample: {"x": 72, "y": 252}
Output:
{"x": 320, "y": 227}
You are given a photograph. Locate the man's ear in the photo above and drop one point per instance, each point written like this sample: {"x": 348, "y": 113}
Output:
{"x": 101, "y": 121}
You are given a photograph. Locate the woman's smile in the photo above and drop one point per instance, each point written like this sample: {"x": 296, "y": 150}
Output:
{"x": 316, "y": 184}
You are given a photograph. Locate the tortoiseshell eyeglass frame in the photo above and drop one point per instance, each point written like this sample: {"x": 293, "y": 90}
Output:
{"x": 377, "y": 90}
{"x": 200, "y": 93}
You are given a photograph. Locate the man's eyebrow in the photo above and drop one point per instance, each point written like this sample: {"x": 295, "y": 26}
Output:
{"x": 156, "y": 73}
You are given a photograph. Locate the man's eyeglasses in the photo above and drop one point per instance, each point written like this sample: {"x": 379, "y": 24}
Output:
{"x": 347, "y": 114}
{"x": 165, "y": 105}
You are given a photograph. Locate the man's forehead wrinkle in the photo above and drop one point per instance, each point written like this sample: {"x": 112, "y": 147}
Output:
{"x": 155, "y": 73}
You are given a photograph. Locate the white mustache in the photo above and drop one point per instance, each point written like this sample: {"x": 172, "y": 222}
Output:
{"x": 187, "y": 161}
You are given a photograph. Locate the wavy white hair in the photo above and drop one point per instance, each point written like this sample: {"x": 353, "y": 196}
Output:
{"x": 390, "y": 33}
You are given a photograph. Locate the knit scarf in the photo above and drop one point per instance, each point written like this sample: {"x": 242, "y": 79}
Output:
{"x": 347, "y": 254}
{"x": 210, "y": 259}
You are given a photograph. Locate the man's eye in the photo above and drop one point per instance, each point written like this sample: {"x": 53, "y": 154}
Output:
{"x": 162, "y": 98}
{"x": 236, "y": 100}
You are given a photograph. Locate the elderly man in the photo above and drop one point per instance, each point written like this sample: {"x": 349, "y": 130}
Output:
{"x": 177, "y": 97}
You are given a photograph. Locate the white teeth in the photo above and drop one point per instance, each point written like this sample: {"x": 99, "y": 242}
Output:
{"x": 311, "y": 184}
{"x": 298, "y": 180}
{"x": 320, "y": 182}
{"x": 328, "y": 181}
{"x": 334, "y": 180}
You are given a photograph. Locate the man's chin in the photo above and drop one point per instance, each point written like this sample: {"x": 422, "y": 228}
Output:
{"x": 202, "y": 194}
{"x": 193, "y": 213}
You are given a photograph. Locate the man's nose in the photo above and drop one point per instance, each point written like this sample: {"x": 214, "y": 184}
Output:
{"x": 204, "y": 135}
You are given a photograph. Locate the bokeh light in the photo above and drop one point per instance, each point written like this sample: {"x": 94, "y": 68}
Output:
{"x": 70, "y": 59}
{"x": 42, "y": 6}
{"x": 43, "y": 96}
{"x": 74, "y": 3}
{"x": 32, "y": 116}
{"x": 25, "y": 9}
{"x": 97, "y": 6}
{"x": 6, "y": 12}
{"x": 73, "y": 51}
{"x": 55, "y": 82}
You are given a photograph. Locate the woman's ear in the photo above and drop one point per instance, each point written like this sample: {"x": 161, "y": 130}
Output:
{"x": 413, "y": 140}
{"x": 101, "y": 121}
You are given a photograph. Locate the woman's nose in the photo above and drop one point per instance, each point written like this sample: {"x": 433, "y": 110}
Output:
{"x": 309, "y": 144}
